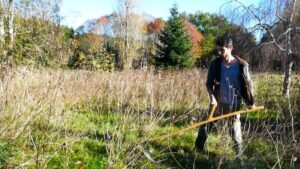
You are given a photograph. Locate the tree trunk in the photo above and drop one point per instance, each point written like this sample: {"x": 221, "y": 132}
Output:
{"x": 11, "y": 31}
{"x": 288, "y": 66}
{"x": 2, "y": 31}
{"x": 128, "y": 27}
{"x": 2, "y": 14}
{"x": 126, "y": 38}
{"x": 287, "y": 76}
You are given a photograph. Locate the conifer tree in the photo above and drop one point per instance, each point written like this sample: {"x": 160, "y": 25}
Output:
{"x": 174, "y": 43}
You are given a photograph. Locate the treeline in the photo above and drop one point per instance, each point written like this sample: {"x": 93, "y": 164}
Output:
{"x": 31, "y": 34}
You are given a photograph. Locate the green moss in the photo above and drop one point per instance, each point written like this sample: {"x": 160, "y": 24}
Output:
{"x": 5, "y": 153}
{"x": 85, "y": 153}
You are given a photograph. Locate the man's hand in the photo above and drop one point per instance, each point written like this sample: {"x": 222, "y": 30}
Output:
{"x": 213, "y": 101}
{"x": 251, "y": 106}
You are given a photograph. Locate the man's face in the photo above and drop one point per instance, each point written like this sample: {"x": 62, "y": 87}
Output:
{"x": 224, "y": 51}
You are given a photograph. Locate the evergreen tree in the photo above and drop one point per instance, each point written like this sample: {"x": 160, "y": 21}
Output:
{"x": 174, "y": 43}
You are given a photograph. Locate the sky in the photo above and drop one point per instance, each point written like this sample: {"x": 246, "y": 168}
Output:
{"x": 76, "y": 12}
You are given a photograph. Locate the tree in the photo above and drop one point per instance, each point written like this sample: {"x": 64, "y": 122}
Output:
{"x": 10, "y": 30}
{"x": 128, "y": 28}
{"x": 208, "y": 23}
{"x": 195, "y": 38}
{"x": 213, "y": 26}
{"x": 278, "y": 20}
{"x": 152, "y": 29}
{"x": 7, "y": 11}
{"x": 174, "y": 45}
{"x": 90, "y": 54}
{"x": 39, "y": 38}
{"x": 155, "y": 26}
{"x": 2, "y": 29}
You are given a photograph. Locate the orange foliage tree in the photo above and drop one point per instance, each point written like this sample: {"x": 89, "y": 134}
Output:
{"x": 195, "y": 38}
{"x": 155, "y": 26}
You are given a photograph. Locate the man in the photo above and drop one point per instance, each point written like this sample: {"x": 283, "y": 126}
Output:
{"x": 228, "y": 83}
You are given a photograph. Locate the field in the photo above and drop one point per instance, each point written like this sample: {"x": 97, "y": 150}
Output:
{"x": 82, "y": 119}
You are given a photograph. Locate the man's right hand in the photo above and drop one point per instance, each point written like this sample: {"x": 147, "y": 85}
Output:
{"x": 213, "y": 101}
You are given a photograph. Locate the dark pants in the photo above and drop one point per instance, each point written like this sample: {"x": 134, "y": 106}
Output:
{"x": 234, "y": 124}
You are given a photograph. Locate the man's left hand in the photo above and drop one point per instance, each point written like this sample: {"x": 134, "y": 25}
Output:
{"x": 251, "y": 107}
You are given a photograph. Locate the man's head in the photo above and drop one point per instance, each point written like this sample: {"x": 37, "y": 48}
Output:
{"x": 224, "y": 47}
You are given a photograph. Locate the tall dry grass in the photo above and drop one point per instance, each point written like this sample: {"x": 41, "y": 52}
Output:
{"x": 38, "y": 113}
{"x": 34, "y": 99}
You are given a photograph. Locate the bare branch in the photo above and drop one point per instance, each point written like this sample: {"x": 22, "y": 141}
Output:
{"x": 264, "y": 44}
{"x": 265, "y": 26}
{"x": 292, "y": 13}
{"x": 278, "y": 15}
{"x": 284, "y": 34}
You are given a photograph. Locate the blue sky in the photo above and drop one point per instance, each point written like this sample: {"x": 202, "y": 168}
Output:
{"x": 75, "y": 12}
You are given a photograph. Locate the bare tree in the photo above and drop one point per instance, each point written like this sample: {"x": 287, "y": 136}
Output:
{"x": 2, "y": 14}
{"x": 2, "y": 30}
{"x": 10, "y": 31}
{"x": 279, "y": 21}
{"x": 128, "y": 26}
{"x": 7, "y": 32}
{"x": 276, "y": 19}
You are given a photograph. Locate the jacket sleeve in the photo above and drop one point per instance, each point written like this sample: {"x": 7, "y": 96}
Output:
{"x": 250, "y": 88}
{"x": 249, "y": 80}
{"x": 210, "y": 77}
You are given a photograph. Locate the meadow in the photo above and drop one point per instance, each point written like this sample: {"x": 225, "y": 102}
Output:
{"x": 55, "y": 118}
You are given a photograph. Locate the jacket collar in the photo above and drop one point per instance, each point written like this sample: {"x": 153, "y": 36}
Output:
{"x": 242, "y": 61}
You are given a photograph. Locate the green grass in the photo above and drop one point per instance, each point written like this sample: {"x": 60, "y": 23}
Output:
{"x": 86, "y": 153}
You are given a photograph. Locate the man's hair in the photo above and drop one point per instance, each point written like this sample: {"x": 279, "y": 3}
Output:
{"x": 224, "y": 41}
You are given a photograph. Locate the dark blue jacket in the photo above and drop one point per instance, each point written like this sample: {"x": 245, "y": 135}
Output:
{"x": 213, "y": 80}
